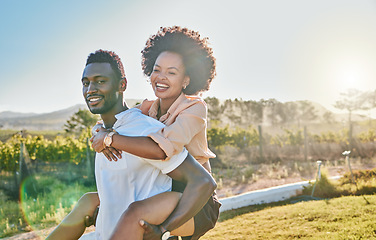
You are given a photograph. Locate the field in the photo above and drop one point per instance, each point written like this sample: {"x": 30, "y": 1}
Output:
{"x": 283, "y": 220}
{"x": 238, "y": 168}
{"x": 348, "y": 217}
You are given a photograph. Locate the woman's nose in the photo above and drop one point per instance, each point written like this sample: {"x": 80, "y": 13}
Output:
{"x": 161, "y": 76}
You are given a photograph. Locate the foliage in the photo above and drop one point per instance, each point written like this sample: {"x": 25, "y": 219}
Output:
{"x": 368, "y": 136}
{"x": 60, "y": 149}
{"x": 46, "y": 210}
{"x": 242, "y": 113}
{"x": 243, "y": 138}
{"x": 289, "y": 138}
{"x": 82, "y": 119}
{"x": 218, "y": 137}
{"x": 364, "y": 179}
{"x": 352, "y": 100}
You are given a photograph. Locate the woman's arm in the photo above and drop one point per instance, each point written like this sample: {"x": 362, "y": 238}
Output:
{"x": 140, "y": 146}
{"x": 188, "y": 123}
{"x": 160, "y": 145}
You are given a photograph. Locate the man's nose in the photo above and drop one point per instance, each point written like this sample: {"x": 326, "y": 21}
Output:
{"x": 91, "y": 88}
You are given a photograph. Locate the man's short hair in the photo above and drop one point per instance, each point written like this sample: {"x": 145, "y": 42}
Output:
{"x": 104, "y": 56}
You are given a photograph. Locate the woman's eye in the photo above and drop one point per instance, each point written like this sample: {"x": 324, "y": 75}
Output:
{"x": 172, "y": 73}
{"x": 155, "y": 70}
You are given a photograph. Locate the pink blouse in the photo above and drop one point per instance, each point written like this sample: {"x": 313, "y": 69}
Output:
{"x": 186, "y": 126}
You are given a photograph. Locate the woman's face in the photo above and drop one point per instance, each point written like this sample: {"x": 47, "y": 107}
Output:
{"x": 168, "y": 77}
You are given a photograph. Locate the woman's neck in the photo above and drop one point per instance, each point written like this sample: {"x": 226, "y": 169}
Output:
{"x": 165, "y": 104}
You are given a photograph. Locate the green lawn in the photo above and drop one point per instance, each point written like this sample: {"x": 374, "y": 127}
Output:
{"x": 338, "y": 218}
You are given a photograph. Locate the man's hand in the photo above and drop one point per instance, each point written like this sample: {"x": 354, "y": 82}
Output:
{"x": 152, "y": 232}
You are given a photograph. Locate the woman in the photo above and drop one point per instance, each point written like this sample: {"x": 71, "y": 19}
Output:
{"x": 179, "y": 63}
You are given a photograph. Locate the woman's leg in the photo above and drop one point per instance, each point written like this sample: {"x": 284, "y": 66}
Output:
{"x": 73, "y": 225}
{"x": 153, "y": 210}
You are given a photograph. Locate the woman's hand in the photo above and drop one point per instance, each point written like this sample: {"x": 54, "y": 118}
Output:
{"x": 98, "y": 144}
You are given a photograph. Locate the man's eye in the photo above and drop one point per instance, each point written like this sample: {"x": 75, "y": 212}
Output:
{"x": 85, "y": 84}
{"x": 101, "y": 81}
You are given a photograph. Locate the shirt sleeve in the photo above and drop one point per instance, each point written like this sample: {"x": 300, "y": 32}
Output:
{"x": 188, "y": 123}
{"x": 171, "y": 164}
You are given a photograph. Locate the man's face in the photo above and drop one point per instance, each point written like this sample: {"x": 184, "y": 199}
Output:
{"x": 100, "y": 87}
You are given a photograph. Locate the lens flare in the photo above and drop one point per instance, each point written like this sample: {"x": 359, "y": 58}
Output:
{"x": 38, "y": 207}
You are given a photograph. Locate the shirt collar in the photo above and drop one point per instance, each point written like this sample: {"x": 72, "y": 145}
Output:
{"x": 121, "y": 117}
{"x": 153, "y": 111}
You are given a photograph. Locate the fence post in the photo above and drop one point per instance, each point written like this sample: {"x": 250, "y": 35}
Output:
{"x": 26, "y": 170}
{"x": 350, "y": 137}
{"x": 305, "y": 144}
{"x": 260, "y": 142}
{"x": 89, "y": 165}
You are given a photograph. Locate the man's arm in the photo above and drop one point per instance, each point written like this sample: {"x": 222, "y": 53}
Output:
{"x": 200, "y": 186}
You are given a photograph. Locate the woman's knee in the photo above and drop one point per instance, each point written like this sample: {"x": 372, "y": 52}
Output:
{"x": 135, "y": 208}
{"x": 89, "y": 200}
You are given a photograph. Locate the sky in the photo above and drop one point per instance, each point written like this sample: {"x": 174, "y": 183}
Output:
{"x": 287, "y": 50}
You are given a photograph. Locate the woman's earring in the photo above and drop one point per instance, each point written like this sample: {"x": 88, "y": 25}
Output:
{"x": 185, "y": 86}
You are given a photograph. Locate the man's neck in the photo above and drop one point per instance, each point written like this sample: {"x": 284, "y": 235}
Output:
{"x": 109, "y": 118}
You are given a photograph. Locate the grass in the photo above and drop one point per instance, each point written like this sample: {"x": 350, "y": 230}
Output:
{"x": 337, "y": 218}
{"x": 46, "y": 210}
{"x": 349, "y": 217}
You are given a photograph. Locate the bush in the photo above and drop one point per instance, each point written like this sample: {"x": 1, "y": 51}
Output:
{"x": 365, "y": 184}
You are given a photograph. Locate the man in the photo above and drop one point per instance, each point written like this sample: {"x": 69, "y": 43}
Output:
{"x": 132, "y": 178}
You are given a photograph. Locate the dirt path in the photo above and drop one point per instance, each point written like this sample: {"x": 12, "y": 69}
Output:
{"x": 39, "y": 234}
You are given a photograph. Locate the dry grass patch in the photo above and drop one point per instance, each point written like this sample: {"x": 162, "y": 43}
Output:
{"x": 340, "y": 218}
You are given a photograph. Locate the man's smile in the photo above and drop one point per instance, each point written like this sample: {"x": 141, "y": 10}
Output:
{"x": 93, "y": 100}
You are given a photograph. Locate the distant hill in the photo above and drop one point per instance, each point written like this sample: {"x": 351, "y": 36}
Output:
{"x": 10, "y": 114}
{"x": 56, "y": 120}
{"x": 44, "y": 121}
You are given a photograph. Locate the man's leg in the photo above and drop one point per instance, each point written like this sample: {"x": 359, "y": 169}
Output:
{"x": 73, "y": 225}
{"x": 153, "y": 210}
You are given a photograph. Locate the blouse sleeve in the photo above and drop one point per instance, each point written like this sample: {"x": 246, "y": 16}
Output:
{"x": 144, "y": 106}
{"x": 188, "y": 123}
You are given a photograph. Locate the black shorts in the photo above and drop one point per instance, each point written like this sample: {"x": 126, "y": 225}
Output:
{"x": 206, "y": 218}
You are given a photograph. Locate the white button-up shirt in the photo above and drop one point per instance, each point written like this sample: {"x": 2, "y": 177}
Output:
{"x": 131, "y": 178}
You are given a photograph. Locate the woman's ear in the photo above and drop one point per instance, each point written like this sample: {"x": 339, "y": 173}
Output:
{"x": 122, "y": 85}
{"x": 186, "y": 81}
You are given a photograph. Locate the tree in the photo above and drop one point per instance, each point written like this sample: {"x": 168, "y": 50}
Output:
{"x": 273, "y": 105}
{"x": 307, "y": 112}
{"x": 351, "y": 100}
{"x": 328, "y": 117}
{"x": 214, "y": 109}
{"x": 79, "y": 121}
